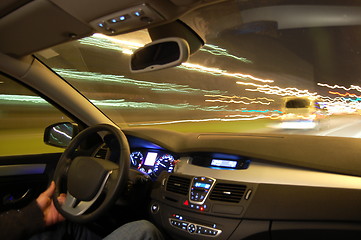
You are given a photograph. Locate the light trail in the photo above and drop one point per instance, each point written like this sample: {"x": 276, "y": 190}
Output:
{"x": 220, "y": 72}
{"x": 199, "y": 120}
{"x": 237, "y": 97}
{"x": 238, "y": 100}
{"x": 119, "y": 104}
{"x": 344, "y": 94}
{"x": 352, "y": 87}
{"x": 62, "y": 133}
{"x": 101, "y": 43}
{"x": 128, "y": 47}
{"x": 123, "y": 104}
{"x": 22, "y": 99}
{"x": 218, "y": 51}
{"x": 275, "y": 90}
{"x": 119, "y": 79}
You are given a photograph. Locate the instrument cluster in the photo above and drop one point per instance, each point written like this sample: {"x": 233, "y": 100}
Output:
{"x": 152, "y": 162}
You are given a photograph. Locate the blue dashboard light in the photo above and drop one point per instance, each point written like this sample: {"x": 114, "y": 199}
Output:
{"x": 113, "y": 20}
{"x": 122, "y": 18}
{"x": 137, "y": 14}
{"x": 222, "y": 168}
{"x": 101, "y": 25}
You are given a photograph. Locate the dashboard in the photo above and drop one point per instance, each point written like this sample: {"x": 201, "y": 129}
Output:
{"x": 152, "y": 162}
{"x": 226, "y": 186}
{"x": 233, "y": 186}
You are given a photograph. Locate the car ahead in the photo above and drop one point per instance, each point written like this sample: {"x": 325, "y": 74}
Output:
{"x": 94, "y": 96}
{"x": 301, "y": 113}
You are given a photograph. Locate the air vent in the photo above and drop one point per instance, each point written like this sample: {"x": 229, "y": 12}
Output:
{"x": 228, "y": 192}
{"x": 178, "y": 185}
{"x": 102, "y": 153}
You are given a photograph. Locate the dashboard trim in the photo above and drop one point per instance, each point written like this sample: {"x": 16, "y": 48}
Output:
{"x": 260, "y": 172}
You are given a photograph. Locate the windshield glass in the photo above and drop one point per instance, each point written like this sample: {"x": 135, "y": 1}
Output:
{"x": 237, "y": 82}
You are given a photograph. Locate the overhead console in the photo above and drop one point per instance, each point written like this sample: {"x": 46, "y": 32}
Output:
{"x": 31, "y": 26}
{"x": 128, "y": 19}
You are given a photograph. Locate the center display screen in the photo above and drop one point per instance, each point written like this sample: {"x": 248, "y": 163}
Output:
{"x": 202, "y": 185}
{"x": 223, "y": 163}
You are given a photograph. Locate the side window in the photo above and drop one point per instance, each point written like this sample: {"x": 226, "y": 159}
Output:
{"x": 23, "y": 118}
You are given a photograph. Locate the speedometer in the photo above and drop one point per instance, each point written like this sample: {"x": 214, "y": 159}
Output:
{"x": 164, "y": 163}
{"x": 136, "y": 159}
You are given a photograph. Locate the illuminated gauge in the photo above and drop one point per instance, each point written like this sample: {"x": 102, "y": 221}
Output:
{"x": 136, "y": 159}
{"x": 164, "y": 163}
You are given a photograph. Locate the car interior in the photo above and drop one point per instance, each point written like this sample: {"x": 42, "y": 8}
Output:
{"x": 117, "y": 102}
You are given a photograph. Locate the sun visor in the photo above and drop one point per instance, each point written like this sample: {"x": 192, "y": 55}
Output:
{"x": 36, "y": 26}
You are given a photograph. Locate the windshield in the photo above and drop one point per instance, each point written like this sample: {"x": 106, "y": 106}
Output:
{"x": 236, "y": 82}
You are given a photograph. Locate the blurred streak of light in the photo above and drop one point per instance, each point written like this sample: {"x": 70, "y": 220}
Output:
{"x": 344, "y": 94}
{"x": 352, "y": 87}
{"x": 122, "y": 103}
{"x": 212, "y": 49}
{"x": 262, "y": 111}
{"x": 353, "y": 100}
{"x": 218, "y": 51}
{"x": 220, "y": 72}
{"x": 123, "y": 42}
{"x": 103, "y": 41}
{"x": 107, "y": 45}
{"x": 237, "y": 97}
{"x": 238, "y": 102}
{"x": 128, "y": 47}
{"x": 296, "y": 125}
{"x": 119, "y": 79}
{"x": 62, "y": 133}
{"x": 118, "y": 103}
{"x": 232, "y": 99}
{"x": 200, "y": 120}
{"x": 282, "y": 92}
{"x": 267, "y": 89}
{"x": 274, "y": 114}
{"x": 329, "y": 99}
{"x": 21, "y": 99}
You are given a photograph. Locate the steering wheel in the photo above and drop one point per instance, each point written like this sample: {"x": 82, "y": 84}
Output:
{"x": 91, "y": 184}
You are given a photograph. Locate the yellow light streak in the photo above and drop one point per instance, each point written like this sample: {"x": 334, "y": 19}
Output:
{"x": 217, "y": 71}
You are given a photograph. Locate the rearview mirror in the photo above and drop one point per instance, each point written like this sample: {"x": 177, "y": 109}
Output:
{"x": 160, "y": 54}
{"x": 60, "y": 134}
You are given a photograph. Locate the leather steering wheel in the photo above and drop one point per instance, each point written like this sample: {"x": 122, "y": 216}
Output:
{"x": 91, "y": 184}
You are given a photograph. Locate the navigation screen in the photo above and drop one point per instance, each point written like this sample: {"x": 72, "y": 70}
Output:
{"x": 202, "y": 185}
{"x": 150, "y": 159}
{"x": 223, "y": 163}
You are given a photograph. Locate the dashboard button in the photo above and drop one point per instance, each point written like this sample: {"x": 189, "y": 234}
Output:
{"x": 154, "y": 208}
{"x": 191, "y": 228}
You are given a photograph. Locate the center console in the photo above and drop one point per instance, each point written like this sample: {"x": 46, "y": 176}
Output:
{"x": 199, "y": 207}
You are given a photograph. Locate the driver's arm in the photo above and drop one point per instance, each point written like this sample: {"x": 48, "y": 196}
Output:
{"x": 23, "y": 223}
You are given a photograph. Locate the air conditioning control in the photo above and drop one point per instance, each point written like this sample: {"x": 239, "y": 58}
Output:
{"x": 200, "y": 189}
{"x": 181, "y": 223}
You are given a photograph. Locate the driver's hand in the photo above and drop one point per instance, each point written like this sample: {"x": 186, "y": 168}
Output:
{"x": 51, "y": 215}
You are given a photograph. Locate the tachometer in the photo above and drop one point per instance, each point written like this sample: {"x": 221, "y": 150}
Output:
{"x": 136, "y": 159}
{"x": 164, "y": 163}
